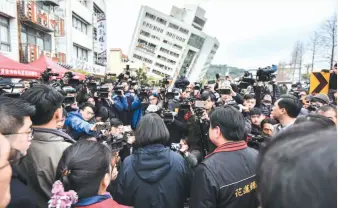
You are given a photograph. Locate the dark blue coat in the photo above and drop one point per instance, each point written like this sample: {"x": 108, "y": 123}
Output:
{"x": 152, "y": 177}
{"x": 21, "y": 195}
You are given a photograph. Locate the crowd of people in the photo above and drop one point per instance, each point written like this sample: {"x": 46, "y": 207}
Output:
{"x": 197, "y": 147}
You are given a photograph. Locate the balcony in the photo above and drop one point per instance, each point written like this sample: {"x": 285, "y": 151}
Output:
{"x": 39, "y": 18}
{"x": 8, "y": 8}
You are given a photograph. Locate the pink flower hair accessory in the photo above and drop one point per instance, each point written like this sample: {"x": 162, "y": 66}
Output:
{"x": 60, "y": 198}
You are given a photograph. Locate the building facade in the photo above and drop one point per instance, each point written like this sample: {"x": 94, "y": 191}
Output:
{"x": 9, "y": 29}
{"x": 71, "y": 32}
{"x": 173, "y": 44}
{"x": 117, "y": 62}
{"x": 86, "y": 40}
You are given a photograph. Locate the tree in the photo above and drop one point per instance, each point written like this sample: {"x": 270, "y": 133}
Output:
{"x": 306, "y": 76}
{"x": 142, "y": 76}
{"x": 297, "y": 58}
{"x": 314, "y": 46}
{"x": 308, "y": 66}
{"x": 329, "y": 36}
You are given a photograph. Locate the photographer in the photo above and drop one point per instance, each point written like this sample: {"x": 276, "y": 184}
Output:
{"x": 113, "y": 104}
{"x": 198, "y": 125}
{"x": 77, "y": 123}
{"x": 318, "y": 101}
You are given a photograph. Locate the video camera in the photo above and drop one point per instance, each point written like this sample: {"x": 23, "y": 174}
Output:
{"x": 256, "y": 141}
{"x": 266, "y": 74}
{"x": 246, "y": 80}
{"x": 118, "y": 89}
{"x": 45, "y": 76}
{"x": 11, "y": 87}
{"x": 102, "y": 91}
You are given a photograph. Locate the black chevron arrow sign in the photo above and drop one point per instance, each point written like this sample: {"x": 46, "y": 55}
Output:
{"x": 322, "y": 82}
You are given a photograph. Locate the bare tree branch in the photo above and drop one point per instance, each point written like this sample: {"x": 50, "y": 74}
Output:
{"x": 329, "y": 36}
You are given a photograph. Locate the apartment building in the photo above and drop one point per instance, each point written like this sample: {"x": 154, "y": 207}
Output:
{"x": 173, "y": 44}
{"x": 9, "y": 29}
{"x": 71, "y": 32}
{"x": 117, "y": 62}
{"x": 86, "y": 38}
{"x": 40, "y": 25}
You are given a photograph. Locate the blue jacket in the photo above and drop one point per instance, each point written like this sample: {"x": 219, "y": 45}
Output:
{"x": 120, "y": 103}
{"x": 153, "y": 176}
{"x": 137, "y": 112}
{"x": 76, "y": 126}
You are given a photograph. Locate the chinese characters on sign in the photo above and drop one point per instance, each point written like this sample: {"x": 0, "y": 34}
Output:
{"x": 102, "y": 38}
{"x": 246, "y": 189}
{"x": 14, "y": 72}
{"x": 90, "y": 68}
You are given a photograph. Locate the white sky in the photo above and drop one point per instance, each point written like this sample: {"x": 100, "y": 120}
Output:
{"x": 252, "y": 33}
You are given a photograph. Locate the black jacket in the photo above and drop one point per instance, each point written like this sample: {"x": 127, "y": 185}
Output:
{"x": 112, "y": 112}
{"x": 21, "y": 195}
{"x": 333, "y": 81}
{"x": 153, "y": 177}
{"x": 226, "y": 178}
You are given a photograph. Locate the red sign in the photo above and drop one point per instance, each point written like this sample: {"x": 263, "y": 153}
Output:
{"x": 18, "y": 73}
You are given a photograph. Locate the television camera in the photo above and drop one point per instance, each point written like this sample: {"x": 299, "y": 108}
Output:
{"x": 257, "y": 141}
{"x": 7, "y": 89}
{"x": 266, "y": 74}
{"x": 47, "y": 74}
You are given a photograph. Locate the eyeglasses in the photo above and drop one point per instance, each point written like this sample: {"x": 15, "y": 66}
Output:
{"x": 15, "y": 157}
{"x": 30, "y": 133}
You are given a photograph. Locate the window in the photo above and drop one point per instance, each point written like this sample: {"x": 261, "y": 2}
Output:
{"x": 33, "y": 37}
{"x": 173, "y": 26}
{"x": 79, "y": 24}
{"x": 148, "y": 61}
{"x": 177, "y": 47}
{"x": 137, "y": 57}
{"x": 196, "y": 41}
{"x": 80, "y": 53}
{"x": 94, "y": 33}
{"x": 95, "y": 57}
{"x": 150, "y": 16}
{"x": 164, "y": 50}
{"x": 4, "y": 34}
{"x": 145, "y": 33}
{"x": 155, "y": 37}
{"x": 185, "y": 31}
{"x": 199, "y": 21}
{"x": 162, "y": 21}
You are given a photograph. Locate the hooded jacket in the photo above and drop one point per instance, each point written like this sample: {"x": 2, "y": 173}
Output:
{"x": 152, "y": 177}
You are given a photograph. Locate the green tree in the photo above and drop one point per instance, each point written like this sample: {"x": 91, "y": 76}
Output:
{"x": 306, "y": 76}
{"x": 142, "y": 76}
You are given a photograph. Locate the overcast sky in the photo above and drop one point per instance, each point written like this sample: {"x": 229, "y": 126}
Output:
{"x": 252, "y": 33}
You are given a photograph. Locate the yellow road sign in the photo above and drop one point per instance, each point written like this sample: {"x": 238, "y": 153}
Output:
{"x": 319, "y": 82}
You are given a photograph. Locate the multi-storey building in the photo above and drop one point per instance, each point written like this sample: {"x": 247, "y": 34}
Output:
{"x": 86, "y": 40}
{"x": 40, "y": 25}
{"x": 117, "y": 62}
{"x": 9, "y": 29}
{"x": 173, "y": 44}
{"x": 70, "y": 32}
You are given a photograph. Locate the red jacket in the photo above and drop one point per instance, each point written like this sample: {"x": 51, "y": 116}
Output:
{"x": 108, "y": 203}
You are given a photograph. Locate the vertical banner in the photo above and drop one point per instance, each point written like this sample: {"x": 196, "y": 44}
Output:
{"x": 102, "y": 38}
